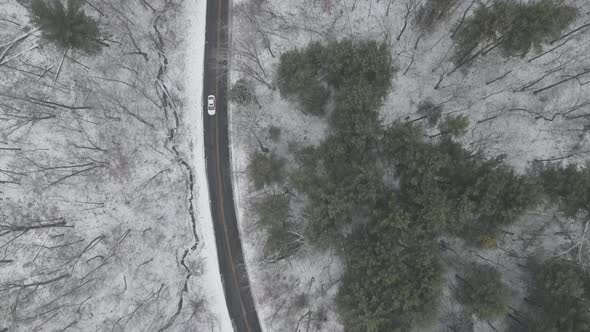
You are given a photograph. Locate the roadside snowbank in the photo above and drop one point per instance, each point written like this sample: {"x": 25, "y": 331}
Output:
{"x": 195, "y": 11}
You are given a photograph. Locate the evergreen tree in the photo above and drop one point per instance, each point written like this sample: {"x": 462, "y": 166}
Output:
{"x": 265, "y": 169}
{"x": 392, "y": 278}
{"x": 273, "y": 210}
{"x": 482, "y": 292}
{"x": 432, "y": 12}
{"x": 429, "y": 111}
{"x": 568, "y": 185}
{"x": 514, "y": 27}
{"x": 454, "y": 125}
{"x": 68, "y": 27}
{"x": 559, "y": 295}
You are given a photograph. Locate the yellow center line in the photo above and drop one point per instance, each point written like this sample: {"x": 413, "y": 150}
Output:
{"x": 219, "y": 184}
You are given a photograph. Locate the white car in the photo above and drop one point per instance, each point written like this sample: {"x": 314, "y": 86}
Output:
{"x": 211, "y": 105}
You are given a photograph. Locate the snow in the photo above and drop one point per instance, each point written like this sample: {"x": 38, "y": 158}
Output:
{"x": 196, "y": 12}
{"x": 298, "y": 291}
{"x": 120, "y": 259}
{"x": 505, "y": 119}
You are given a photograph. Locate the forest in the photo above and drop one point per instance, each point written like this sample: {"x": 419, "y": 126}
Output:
{"x": 97, "y": 225}
{"x": 392, "y": 197}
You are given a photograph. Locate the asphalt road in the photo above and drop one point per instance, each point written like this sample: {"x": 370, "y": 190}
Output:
{"x": 227, "y": 236}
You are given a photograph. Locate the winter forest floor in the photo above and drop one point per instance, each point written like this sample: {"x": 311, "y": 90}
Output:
{"x": 525, "y": 108}
{"x": 104, "y": 210}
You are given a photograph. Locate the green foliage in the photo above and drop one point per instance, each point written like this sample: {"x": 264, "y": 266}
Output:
{"x": 265, "y": 169}
{"x": 482, "y": 292}
{"x": 514, "y": 27}
{"x": 348, "y": 180}
{"x": 67, "y": 27}
{"x": 416, "y": 161}
{"x": 357, "y": 64}
{"x": 362, "y": 67}
{"x": 242, "y": 92}
{"x": 432, "y": 12}
{"x": 297, "y": 68}
{"x": 392, "y": 277}
{"x": 356, "y": 112}
{"x": 500, "y": 195}
{"x": 454, "y": 125}
{"x": 497, "y": 194}
{"x": 430, "y": 111}
{"x": 273, "y": 210}
{"x": 560, "y": 294}
{"x": 304, "y": 179}
{"x": 569, "y": 186}
{"x": 450, "y": 189}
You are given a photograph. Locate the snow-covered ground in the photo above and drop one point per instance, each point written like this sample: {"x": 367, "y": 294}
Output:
{"x": 195, "y": 13}
{"x": 95, "y": 224}
{"x": 497, "y": 94}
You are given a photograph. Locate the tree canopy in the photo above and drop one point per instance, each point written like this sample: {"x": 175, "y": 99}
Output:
{"x": 482, "y": 292}
{"x": 282, "y": 238}
{"x": 392, "y": 278}
{"x": 68, "y": 27}
{"x": 474, "y": 196}
{"x": 514, "y": 27}
{"x": 433, "y": 12}
{"x": 362, "y": 68}
{"x": 265, "y": 169}
{"x": 388, "y": 231}
{"x": 559, "y": 295}
{"x": 568, "y": 185}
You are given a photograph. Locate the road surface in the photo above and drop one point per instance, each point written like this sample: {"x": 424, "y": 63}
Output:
{"x": 229, "y": 248}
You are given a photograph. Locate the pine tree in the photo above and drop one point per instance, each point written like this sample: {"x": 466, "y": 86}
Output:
{"x": 482, "y": 292}
{"x": 265, "y": 169}
{"x": 67, "y": 27}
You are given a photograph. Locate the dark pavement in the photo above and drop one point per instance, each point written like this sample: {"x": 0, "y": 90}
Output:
{"x": 229, "y": 248}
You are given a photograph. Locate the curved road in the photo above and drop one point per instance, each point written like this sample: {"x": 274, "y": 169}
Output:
{"x": 227, "y": 236}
